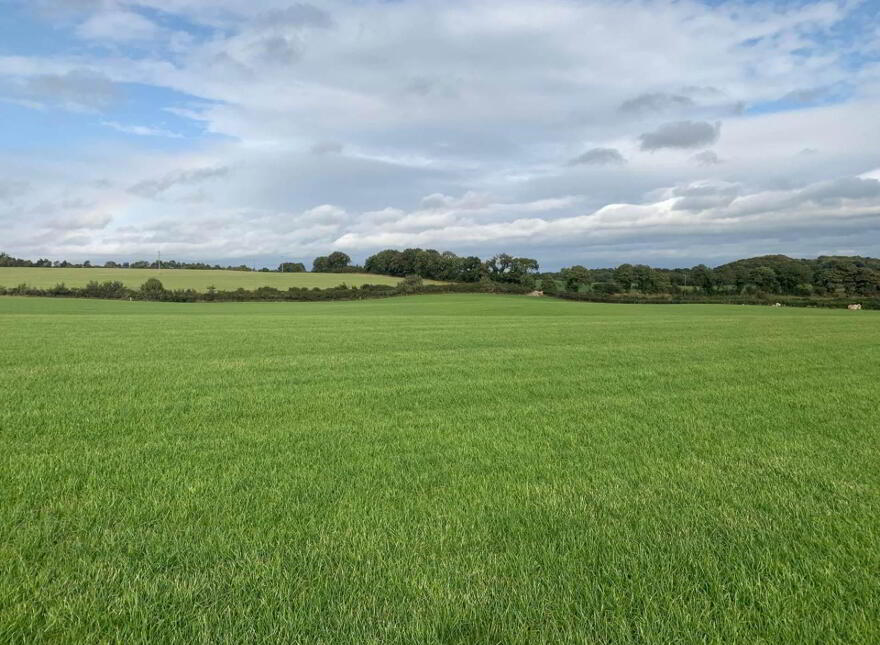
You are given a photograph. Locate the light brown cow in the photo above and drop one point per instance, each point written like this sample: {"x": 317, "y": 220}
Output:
{"x": 854, "y": 307}
{"x": 536, "y": 293}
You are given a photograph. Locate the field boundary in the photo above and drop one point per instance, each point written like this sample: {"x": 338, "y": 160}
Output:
{"x": 762, "y": 300}
{"x": 154, "y": 291}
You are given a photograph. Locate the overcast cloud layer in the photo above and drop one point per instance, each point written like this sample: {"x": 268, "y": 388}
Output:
{"x": 573, "y": 131}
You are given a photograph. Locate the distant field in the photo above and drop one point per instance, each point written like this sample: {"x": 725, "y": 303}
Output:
{"x": 186, "y": 278}
{"x": 469, "y": 469}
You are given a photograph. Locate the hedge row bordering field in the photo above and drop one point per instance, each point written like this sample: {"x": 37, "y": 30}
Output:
{"x": 766, "y": 299}
{"x": 114, "y": 290}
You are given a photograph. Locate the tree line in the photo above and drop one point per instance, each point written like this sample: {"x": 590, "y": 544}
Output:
{"x": 7, "y": 260}
{"x": 825, "y": 276}
{"x": 770, "y": 274}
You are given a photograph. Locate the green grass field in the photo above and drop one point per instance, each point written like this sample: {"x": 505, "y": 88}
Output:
{"x": 438, "y": 469}
{"x": 187, "y": 278}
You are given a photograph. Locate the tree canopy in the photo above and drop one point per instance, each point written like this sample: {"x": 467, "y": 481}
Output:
{"x": 336, "y": 262}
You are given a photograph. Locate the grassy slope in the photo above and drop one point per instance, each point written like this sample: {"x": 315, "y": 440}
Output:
{"x": 186, "y": 278}
{"x": 443, "y": 469}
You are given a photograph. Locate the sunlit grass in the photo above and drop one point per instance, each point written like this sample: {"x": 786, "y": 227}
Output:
{"x": 438, "y": 469}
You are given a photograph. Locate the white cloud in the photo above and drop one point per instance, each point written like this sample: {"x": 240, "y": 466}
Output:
{"x": 118, "y": 25}
{"x": 90, "y": 220}
{"x": 706, "y": 158}
{"x": 10, "y": 189}
{"x": 690, "y": 213}
{"x": 327, "y": 148}
{"x": 141, "y": 130}
{"x": 74, "y": 89}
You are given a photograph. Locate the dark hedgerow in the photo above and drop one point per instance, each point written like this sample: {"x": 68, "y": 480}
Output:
{"x": 755, "y": 299}
{"x": 154, "y": 290}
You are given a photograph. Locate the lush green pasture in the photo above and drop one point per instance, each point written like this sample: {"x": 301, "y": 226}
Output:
{"x": 438, "y": 469}
{"x": 186, "y": 278}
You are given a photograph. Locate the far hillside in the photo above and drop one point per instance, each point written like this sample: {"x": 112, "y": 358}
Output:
{"x": 187, "y": 278}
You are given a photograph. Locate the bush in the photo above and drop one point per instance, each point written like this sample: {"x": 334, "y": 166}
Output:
{"x": 111, "y": 289}
{"x": 410, "y": 284}
{"x": 152, "y": 289}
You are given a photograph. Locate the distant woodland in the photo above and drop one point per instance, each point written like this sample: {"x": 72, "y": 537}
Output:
{"x": 769, "y": 274}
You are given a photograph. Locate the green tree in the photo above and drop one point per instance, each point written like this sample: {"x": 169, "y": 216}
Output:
{"x": 764, "y": 278}
{"x": 624, "y": 276}
{"x": 383, "y": 262}
{"x": 646, "y": 279}
{"x": 606, "y": 288}
{"x": 470, "y": 269}
{"x": 791, "y": 275}
{"x": 862, "y": 281}
{"x": 548, "y": 285}
{"x": 506, "y": 268}
{"x": 704, "y": 278}
{"x": 575, "y": 277}
{"x": 336, "y": 262}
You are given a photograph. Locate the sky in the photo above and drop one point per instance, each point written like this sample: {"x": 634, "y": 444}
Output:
{"x": 587, "y": 132}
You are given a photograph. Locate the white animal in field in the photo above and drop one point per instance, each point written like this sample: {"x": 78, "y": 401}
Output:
{"x": 778, "y": 304}
{"x": 854, "y": 307}
{"x": 536, "y": 293}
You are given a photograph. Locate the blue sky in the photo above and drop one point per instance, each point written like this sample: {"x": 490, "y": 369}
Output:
{"x": 573, "y": 131}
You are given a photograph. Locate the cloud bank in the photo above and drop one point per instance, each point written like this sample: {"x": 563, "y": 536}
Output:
{"x": 229, "y": 130}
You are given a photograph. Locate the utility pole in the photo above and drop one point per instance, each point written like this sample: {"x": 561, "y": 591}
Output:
{"x": 159, "y": 261}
